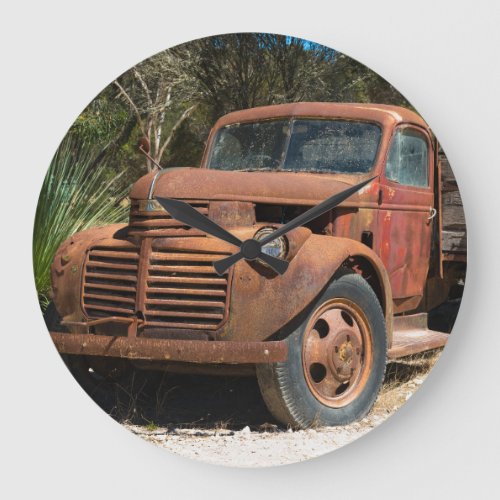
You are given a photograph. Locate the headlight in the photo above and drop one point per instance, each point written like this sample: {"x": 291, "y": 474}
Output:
{"x": 276, "y": 248}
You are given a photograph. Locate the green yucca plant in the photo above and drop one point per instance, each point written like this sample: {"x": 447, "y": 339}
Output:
{"x": 74, "y": 196}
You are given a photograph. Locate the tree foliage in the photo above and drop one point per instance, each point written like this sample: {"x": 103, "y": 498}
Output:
{"x": 251, "y": 69}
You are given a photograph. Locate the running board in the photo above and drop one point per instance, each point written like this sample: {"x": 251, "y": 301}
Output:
{"x": 411, "y": 336}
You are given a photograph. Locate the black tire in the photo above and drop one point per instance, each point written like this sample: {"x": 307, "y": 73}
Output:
{"x": 284, "y": 387}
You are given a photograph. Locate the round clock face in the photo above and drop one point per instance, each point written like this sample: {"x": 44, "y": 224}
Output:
{"x": 250, "y": 249}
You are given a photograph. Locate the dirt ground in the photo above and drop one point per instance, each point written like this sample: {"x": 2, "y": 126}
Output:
{"x": 223, "y": 420}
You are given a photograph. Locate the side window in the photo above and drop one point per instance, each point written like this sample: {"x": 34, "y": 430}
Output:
{"x": 408, "y": 160}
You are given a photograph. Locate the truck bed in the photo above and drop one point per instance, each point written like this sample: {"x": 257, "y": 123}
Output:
{"x": 454, "y": 231}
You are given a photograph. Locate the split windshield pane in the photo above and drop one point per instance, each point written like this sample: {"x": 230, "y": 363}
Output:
{"x": 310, "y": 145}
{"x": 250, "y": 146}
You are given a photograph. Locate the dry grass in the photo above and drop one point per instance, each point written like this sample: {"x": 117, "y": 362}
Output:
{"x": 402, "y": 378}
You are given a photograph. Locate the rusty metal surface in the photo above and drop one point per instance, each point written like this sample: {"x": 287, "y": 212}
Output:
{"x": 261, "y": 302}
{"x": 110, "y": 281}
{"x": 230, "y": 214}
{"x": 167, "y": 287}
{"x": 404, "y": 235}
{"x": 410, "y": 322}
{"x": 149, "y": 221}
{"x": 408, "y": 342}
{"x": 192, "y": 351}
{"x": 411, "y": 336}
{"x": 262, "y": 305}
{"x": 182, "y": 289}
{"x": 68, "y": 266}
{"x": 289, "y": 188}
{"x": 382, "y": 113}
{"x": 337, "y": 352}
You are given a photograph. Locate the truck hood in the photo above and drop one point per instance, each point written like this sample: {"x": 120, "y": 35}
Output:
{"x": 298, "y": 188}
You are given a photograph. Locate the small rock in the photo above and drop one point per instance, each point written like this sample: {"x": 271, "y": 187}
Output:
{"x": 246, "y": 430}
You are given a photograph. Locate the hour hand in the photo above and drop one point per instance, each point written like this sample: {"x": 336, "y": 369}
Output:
{"x": 185, "y": 213}
{"x": 279, "y": 266}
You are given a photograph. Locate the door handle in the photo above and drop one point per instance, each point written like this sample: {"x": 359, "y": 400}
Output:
{"x": 432, "y": 213}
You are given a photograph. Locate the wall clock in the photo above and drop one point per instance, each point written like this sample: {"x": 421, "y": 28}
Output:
{"x": 316, "y": 246}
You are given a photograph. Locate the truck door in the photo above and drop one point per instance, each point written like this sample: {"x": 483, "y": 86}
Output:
{"x": 406, "y": 210}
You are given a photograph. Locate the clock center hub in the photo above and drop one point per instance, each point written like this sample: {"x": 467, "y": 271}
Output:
{"x": 250, "y": 249}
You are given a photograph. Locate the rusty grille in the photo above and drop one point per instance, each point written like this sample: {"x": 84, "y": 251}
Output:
{"x": 110, "y": 282}
{"x": 157, "y": 222}
{"x": 184, "y": 291}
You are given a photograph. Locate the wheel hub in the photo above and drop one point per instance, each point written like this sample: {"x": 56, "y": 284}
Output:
{"x": 334, "y": 352}
{"x": 345, "y": 356}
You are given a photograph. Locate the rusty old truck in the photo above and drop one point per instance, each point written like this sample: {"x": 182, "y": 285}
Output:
{"x": 361, "y": 277}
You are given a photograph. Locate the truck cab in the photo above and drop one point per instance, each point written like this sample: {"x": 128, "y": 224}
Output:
{"x": 316, "y": 337}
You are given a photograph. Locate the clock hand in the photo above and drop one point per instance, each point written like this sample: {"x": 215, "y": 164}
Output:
{"x": 314, "y": 212}
{"x": 277, "y": 265}
{"x": 222, "y": 265}
{"x": 185, "y": 213}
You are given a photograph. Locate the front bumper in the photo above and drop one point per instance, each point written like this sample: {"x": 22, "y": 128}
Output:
{"x": 190, "y": 351}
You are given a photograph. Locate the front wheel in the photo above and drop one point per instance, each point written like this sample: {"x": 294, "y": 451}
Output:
{"x": 336, "y": 360}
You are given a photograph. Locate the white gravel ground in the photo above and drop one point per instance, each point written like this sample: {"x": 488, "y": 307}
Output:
{"x": 271, "y": 445}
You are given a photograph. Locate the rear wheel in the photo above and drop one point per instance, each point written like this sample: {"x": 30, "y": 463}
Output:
{"x": 336, "y": 360}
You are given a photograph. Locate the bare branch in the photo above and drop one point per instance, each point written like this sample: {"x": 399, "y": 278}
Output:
{"x": 144, "y": 86}
{"x": 133, "y": 106}
{"x": 178, "y": 123}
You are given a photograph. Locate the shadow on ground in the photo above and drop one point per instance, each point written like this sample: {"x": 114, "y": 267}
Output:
{"x": 167, "y": 400}
{"x": 172, "y": 400}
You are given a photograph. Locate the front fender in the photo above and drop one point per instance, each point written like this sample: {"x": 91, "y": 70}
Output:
{"x": 67, "y": 267}
{"x": 263, "y": 303}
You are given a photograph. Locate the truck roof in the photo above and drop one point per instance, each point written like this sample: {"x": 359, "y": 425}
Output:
{"x": 381, "y": 113}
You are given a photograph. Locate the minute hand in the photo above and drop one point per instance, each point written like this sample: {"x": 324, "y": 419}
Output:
{"x": 314, "y": 212}
{"x": 185, "y": 213}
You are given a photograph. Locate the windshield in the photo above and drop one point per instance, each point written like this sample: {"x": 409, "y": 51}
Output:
{"x": 306, "y": 145}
